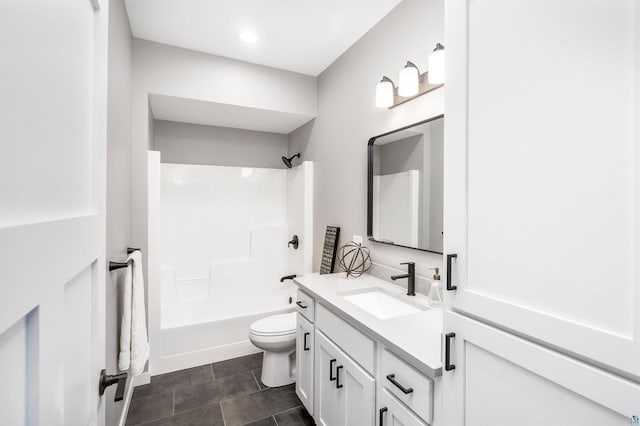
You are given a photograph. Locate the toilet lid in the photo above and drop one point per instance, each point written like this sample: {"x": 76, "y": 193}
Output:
{"x": 275, "y": 324}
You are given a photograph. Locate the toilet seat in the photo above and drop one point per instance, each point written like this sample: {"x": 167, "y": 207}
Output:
{"x": 275, "y": 325}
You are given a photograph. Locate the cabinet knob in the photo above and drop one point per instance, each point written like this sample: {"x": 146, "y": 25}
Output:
{"x": 331, "y": 364}
{"x": 392, "y": 379}
{"x": 338, "y": 384}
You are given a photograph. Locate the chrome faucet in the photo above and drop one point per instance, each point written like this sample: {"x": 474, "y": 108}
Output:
{"x": 411, "y": 277}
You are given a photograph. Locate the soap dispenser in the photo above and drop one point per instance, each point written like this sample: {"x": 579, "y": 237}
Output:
{"x": 435, "y": 292}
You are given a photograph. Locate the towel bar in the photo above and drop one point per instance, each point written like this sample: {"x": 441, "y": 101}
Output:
{"x": 119, "y": 265}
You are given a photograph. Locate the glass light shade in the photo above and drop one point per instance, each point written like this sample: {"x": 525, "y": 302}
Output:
{"x": 384, "y": 93}
{"x": 409, "y": 81}
{"x": 436, "y": 65}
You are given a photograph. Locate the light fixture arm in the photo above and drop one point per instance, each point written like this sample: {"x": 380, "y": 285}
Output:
{"x": 411, "y": 64}
{"x": 385, "y": 78}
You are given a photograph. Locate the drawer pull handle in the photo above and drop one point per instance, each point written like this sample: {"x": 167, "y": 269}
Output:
{"x": 450, "y": 257}
{"x": 447, "y": 352}
{"x": 331, "y": 364}
{"x": 338, "y": 385}
{"x": 392, "y": 379}
{"x": 302, "y": 306}
{"x": 304, "y": 342}
{"x": 382, "y": 411}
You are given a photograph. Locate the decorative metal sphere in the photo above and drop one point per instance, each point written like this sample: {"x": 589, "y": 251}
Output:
{"x": 355, "y": 259}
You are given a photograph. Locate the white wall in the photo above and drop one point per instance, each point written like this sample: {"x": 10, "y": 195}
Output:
{"x": 347, "y": 117}
{"x": 172, "y": 71}
{"x": 186, "y": 143}
{"x": 118, "y": 181}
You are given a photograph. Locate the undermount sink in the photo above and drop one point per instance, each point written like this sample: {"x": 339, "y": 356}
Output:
{"x": 381, "y": 304}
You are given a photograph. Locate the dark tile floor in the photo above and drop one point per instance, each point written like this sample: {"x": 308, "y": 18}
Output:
{"x": 226, "y": 393}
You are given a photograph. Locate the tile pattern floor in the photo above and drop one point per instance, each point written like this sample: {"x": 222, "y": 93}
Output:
{"x": 226, "y": 393}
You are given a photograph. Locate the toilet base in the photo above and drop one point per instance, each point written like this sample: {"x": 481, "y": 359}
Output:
{"x": 278, "y": 368}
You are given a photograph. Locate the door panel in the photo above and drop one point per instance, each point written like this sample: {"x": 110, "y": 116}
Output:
{"x": 327, "y": 397}
{"x": 52, "y": 223}
{"x": 358, "y": 397}
{"x": 542, "y": 207}
{"x": 394, "y": 413}
{"x": 304, "y": 362}
{"x": 501, "y": 380}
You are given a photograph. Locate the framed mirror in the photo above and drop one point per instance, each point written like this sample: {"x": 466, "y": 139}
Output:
{"x": 405, "y": 186}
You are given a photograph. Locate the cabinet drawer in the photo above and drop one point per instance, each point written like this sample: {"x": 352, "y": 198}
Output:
{"x": 350, "y": 340}
{"x": 391, "y": 412}
{"x": 305, "y": 305}
{"x": 396, "y": 375}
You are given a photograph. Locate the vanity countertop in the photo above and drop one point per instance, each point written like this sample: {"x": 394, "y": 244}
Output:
{"x": 415, "y": 337}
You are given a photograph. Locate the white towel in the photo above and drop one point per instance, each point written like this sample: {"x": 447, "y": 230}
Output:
{"x": 134, "y": 345}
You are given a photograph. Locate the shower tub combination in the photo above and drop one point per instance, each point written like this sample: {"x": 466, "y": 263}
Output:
{"x": 221, "y": 237}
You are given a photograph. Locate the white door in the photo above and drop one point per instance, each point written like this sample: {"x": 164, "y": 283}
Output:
{"x": 503, "y": 380}
{"x": 391, "y": 412}
{"x": 327, "y": 397}
{"x": 52, "y": 222}
{"x": 304, "y": 362}
{"x": 542, "y": 171}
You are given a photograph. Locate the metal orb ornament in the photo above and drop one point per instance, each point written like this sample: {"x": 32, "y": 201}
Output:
{"x": 355, "y": 259}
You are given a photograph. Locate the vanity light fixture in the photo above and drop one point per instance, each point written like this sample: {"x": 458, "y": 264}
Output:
{"x": 409, "y": 81}
{"x": 385, "y": 93}
{"x": 436, "y": 65}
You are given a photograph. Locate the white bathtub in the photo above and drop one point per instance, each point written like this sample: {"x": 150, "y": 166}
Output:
{"x": 199, "y": 327}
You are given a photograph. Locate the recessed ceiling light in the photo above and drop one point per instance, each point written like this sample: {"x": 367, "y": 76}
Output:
{"x": 248, "y": 37}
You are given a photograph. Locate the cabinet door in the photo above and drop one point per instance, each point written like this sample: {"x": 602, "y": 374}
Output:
{"x": 304, "y": 362}
{"x": 503, "y": 380}
{"x": 345, "y": 393}
{"x": 542, "y": 171}
{"x": 357, "y": 389}
{"x": 327, "y": 398}
{"x": 392, "y": 413}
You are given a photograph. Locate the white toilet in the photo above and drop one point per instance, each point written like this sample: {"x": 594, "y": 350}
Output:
{"x": 276, "y": 335}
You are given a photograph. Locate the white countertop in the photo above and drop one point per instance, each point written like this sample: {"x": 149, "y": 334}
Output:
{"x": 415, "y": 337}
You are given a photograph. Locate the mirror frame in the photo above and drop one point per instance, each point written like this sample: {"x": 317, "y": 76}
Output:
{"x": 370, "y": 154}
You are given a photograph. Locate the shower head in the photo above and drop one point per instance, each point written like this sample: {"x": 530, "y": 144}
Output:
{"x": 287, "y": 161}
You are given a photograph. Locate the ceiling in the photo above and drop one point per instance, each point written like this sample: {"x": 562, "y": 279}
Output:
{"x": 296, "y": 35}
{"x": 195, "y": 111}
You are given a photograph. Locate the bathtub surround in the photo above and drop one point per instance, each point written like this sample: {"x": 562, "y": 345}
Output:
{"x": 347, "y": 117}
{"x": 210, "y": 290}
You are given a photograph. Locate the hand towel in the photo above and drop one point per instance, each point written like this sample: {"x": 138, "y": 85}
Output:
{"x": 134, "y": 345}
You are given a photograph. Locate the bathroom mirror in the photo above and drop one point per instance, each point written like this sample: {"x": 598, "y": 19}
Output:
{"x": 404, "y": 206}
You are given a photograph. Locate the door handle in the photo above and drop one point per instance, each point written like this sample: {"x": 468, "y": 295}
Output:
{"x": 338, "y": 368}
{"x": 450, "y": 257}
{"x": 382, "y": 411}
{"x": 331, "y": 363}
{"x": 447, "y": 352}
{"x": 392, "y": 379}
{"x": 299, "y": 303}
{"x": 107, "y": 380}
{"x": 304, "y": 341}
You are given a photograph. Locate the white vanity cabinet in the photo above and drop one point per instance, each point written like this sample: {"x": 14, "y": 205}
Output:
{"x": 305, "y": 353}
{"x": 345, "y": 391}
{"x": 392, "y": 413}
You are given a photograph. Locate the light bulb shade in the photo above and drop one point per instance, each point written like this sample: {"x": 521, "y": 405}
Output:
{"x": 409, "y": 81}
{"x": 436, "y": 65}
{"x": 384, "y": 93}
